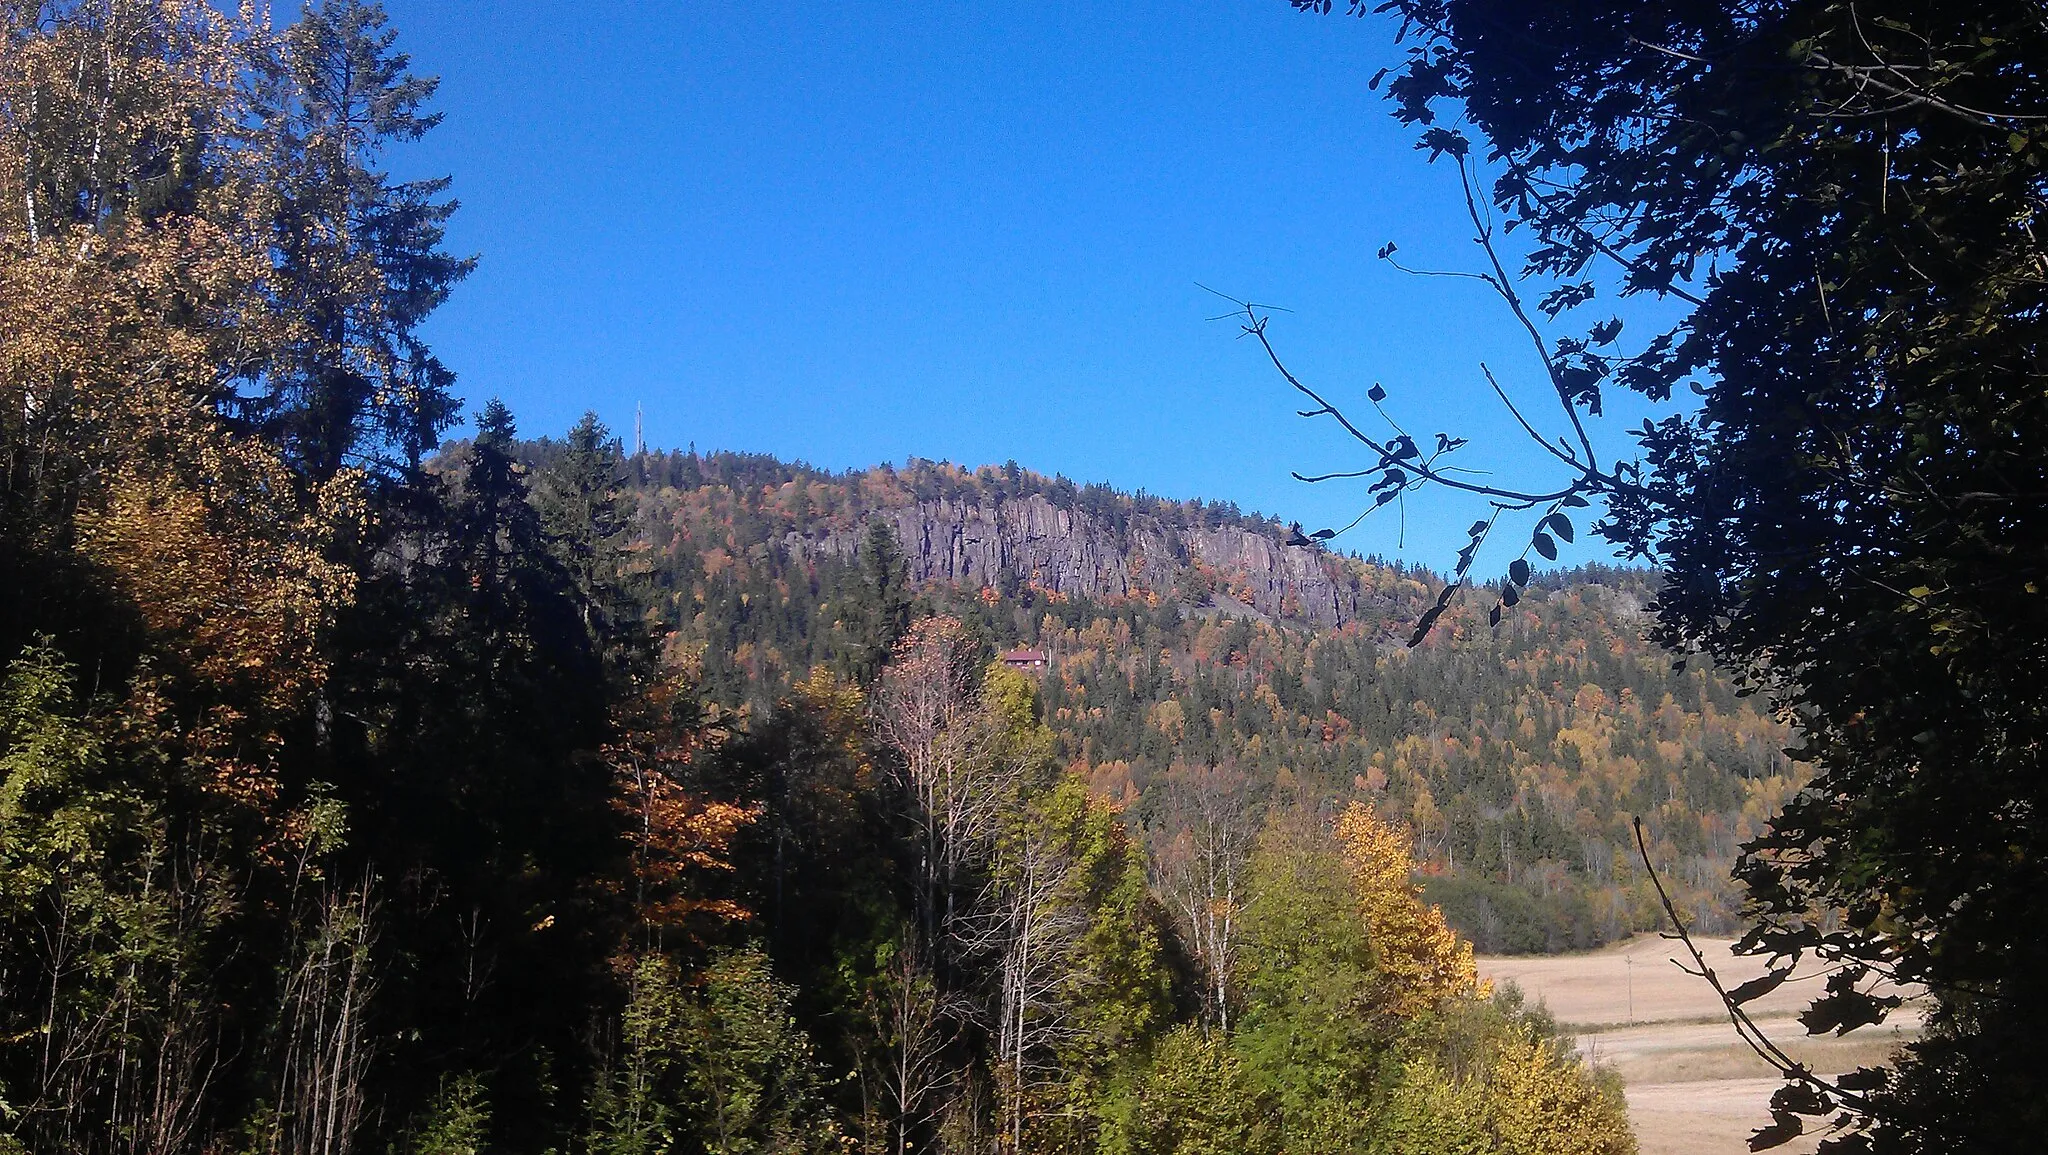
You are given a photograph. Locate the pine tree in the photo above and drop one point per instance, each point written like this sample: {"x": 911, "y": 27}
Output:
{"x": 471, "y": 714}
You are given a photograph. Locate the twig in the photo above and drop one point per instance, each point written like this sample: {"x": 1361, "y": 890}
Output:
{"x": 1745, "y": 1027}
{"x": 1255, "y": 326}
{"x": 1501, "y": 284}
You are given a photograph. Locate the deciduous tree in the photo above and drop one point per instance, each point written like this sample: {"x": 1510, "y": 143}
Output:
{"x": 1841, "y": 204}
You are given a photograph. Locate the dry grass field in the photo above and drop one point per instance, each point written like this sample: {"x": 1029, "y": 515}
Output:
{"x": 1693, "y": 1087}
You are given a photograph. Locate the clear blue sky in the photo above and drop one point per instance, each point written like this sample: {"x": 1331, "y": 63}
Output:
{"x": 858, "y": 233}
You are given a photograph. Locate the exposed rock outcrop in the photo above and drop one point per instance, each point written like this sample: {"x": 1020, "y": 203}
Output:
{"x": 1030, "y": 540}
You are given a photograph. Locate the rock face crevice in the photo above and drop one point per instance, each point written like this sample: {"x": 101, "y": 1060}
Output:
{"x": 1031, "y": 541}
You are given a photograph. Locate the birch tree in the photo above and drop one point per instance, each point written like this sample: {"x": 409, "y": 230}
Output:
{"x": 1205, "y": 838}
{"x": 923, "y": 708}
{"x": 1033, "y": 911}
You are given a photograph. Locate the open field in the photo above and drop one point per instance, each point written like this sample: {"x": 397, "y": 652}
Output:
{"x": 1693, "y": 1087}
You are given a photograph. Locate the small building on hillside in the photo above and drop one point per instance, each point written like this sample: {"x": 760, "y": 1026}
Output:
{"x": 1024, "y": 659}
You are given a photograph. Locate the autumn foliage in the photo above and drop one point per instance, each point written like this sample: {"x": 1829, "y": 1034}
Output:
{"x": 364, "y": 792}
{"x": 1422, "y": 960}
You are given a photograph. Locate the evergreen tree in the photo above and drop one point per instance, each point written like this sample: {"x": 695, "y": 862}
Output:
{"x": 359, "y": 257}
{"x": 875, "y": 608}
{"x": 471, "y": 715}
{"x": 588, "y": 516}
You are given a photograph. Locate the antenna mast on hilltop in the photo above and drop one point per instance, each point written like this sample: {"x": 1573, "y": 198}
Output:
{"x": 639, "y": 440}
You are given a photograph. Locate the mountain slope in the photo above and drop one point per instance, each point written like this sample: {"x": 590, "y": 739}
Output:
{"x": 1185, "y": 636}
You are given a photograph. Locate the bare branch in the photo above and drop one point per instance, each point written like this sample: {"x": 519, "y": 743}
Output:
{"x": 1745, "y": 1027}
{"x": 1502, "y": 285}
{"x": 1255, "y": 327}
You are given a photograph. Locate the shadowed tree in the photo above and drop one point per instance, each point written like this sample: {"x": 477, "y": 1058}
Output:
{"x": 1842, "y": 202}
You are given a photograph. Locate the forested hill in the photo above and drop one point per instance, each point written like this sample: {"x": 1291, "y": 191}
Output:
{"x": 1009, "y": 529}
{"x": 1187, "y": 638}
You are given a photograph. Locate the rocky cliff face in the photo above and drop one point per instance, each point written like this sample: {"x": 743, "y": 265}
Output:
{"x": 1030, "y": 540}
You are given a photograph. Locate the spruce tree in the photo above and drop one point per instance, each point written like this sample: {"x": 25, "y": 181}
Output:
{"x": 588, "y": 517}
{"x": 359, "y": 256}
{"x": 876, "y": 611}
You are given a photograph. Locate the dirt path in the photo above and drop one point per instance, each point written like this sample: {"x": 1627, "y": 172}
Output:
{"x": 1693, "y": 1087}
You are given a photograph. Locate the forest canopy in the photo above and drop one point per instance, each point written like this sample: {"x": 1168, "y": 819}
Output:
{"x": 362, "y": 793}
{"x": 366, "y": 790}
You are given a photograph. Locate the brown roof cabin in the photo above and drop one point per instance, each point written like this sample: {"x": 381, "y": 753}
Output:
{"x": 1024, "y": 659}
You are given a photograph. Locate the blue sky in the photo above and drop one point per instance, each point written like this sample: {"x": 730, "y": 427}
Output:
{"x": 853, "y": 233}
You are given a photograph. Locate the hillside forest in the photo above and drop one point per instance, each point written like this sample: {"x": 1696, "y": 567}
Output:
{"x": 1515, "y": 755}
{"x": 365, "y": 792}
